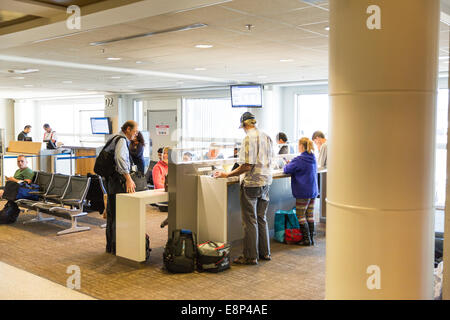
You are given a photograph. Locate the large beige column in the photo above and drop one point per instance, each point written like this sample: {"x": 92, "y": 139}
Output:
{"x": 383, "y": 88}
{"x": 446, "y": 271}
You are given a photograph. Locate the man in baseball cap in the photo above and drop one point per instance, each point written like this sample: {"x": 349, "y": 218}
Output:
{"x": 255, "y": 162}
{"x": 246, "y": 116}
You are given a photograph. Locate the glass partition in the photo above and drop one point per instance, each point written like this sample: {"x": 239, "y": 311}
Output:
{"x": 221, "y": 157}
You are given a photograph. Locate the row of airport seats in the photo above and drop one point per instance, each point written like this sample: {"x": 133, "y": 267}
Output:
{"x": 62, "y": 196}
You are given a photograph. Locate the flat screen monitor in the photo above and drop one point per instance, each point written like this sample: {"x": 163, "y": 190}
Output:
{"x": 101, "y": 126}
{"x": 246, "y": 96}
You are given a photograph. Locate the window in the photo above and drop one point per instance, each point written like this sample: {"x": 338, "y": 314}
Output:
{"x": 210, "y": 120}
{"x": 71, "y": 119}
{"x": 139, "y": 113}
{"x": 312, "y": 114}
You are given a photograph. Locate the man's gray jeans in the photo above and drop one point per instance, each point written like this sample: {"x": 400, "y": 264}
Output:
{"x": 254, "y": 204}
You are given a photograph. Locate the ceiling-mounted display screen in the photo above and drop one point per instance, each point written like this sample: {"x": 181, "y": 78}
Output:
{"x": 246, "y": 96}
{"x": 101, "y": 125}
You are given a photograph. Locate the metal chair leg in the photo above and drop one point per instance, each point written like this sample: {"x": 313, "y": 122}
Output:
{"x": 74, "y": 228}
{"x": 39, "y": 218}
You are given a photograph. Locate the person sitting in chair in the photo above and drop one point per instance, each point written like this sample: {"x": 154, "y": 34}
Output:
{"x": 23, "y": 174}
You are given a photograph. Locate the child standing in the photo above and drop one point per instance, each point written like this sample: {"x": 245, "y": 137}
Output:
{"x": 303, "y": 171}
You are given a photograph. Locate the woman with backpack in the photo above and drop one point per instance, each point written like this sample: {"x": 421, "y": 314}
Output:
{"x": 303, "y": 171}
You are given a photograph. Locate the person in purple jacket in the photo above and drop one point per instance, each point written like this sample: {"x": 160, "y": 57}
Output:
{"x": 303, "y": 171}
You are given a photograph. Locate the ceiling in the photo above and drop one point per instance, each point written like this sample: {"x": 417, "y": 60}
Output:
{"x": 287, "y": 41}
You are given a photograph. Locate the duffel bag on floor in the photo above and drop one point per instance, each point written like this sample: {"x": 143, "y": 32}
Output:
{"x": 180, "y": 252}
{"x": 213, "y": 256}
{"x": 9, "y": 213}
{"x": 287, "y": 228}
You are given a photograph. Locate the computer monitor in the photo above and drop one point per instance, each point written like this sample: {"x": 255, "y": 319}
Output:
{"x": 246, "y": 96}
{"x": 101, "y": 125}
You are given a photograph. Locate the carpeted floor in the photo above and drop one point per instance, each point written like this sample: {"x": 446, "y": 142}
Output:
{"x": 294, "y": 273}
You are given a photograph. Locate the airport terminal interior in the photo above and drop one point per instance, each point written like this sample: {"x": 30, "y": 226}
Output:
{"x": 372, "y": 77}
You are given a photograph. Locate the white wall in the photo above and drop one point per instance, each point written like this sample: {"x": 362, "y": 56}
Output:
{"x": 7, "y": 118}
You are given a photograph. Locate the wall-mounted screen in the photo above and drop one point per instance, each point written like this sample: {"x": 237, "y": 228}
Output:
{"x": 101, "y": 125}
{"x": 246, "y": 96}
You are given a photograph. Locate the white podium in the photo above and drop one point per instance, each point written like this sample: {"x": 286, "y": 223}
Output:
{"x": 131, "y": 222}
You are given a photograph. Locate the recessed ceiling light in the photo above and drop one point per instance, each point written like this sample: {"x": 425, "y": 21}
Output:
{"x": 139, "y": 62}
{"x": 115, "y": 77}
{"x": 113, "y": 59}
{"x": 18, "y": 78}
{"x": 327, "y": 28}
{"x": 204, "y": 46}
{"x": 286, "y": 60}
{"x": 200, "y": 69}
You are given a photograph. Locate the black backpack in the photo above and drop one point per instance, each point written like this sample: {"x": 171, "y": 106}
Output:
{"x": 9, "y": 213}
{"x": 105, "y": 164}
{"x": 180, "y": 252}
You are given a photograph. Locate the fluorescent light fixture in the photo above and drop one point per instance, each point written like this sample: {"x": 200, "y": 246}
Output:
{"x": 139, "y": 62}
{"x": 114, "y": 59}
{"x": 128, "y": 71}
{"x": 18, "y": 78}
{"x": 204, "y": 46}
{"x": 67, "y": 81}
{"x": 28, "y": 85}
{"x": 200, "y": 69}
{"x": 286, "y": 60}
{"x": 23, "y": 71}
{"x": 149, "y": 34}
{"x": 115, "y": 77}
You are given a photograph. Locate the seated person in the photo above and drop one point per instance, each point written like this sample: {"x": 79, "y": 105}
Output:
{"x": 160, "y": 154}
{"x": 213, "y": 153}
{"x": 160, "y": 170}
{"x": 187, "y": 156}
{"x": 23, "y": 136}
{"x": 23, "y": 174}
{"x": 159, "y": 173}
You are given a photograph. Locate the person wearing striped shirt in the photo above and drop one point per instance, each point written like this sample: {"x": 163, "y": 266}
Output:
{"x": 255, "y": 164}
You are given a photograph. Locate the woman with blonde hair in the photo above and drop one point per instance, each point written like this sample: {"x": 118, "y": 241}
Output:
{"x": 303, "y": 171}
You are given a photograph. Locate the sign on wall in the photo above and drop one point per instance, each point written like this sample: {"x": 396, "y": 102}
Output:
{"x": 162, "y": 129}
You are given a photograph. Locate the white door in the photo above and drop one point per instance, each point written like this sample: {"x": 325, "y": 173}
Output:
{"x": 162, "y": 126}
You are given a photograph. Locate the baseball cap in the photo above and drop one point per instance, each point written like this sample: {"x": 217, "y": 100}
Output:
{"x": 246, "y": 116}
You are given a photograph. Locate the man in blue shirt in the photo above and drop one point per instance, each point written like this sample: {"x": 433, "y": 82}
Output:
{"x": 114, "y": 184}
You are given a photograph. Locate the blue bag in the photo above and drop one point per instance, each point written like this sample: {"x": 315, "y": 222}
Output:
{"x": 285, "y": 220}
{"x": 25, "y": 189}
